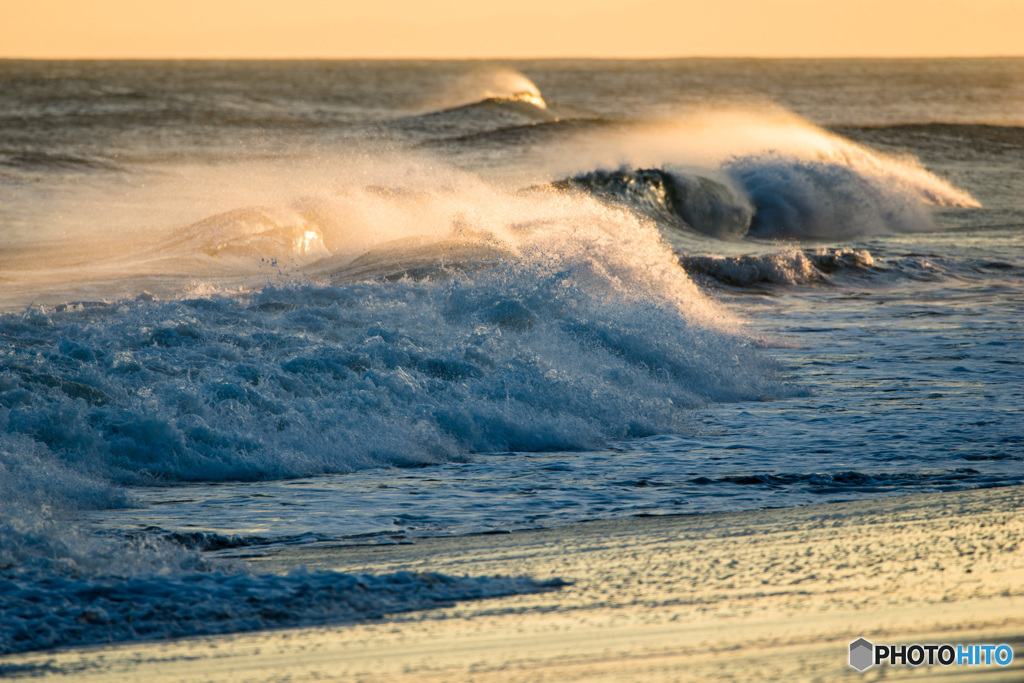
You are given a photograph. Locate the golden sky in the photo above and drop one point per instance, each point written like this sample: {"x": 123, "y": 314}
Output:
{"x": 522, "y": 28}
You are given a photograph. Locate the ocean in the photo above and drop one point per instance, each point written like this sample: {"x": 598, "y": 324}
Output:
{"x": 253, "y": 304}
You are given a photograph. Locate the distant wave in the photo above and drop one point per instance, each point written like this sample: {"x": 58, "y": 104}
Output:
{"x": 767, "y": 175}
{"x": 483, "y": 103}
{"x": 494, "y": 113}
{"x": 490, "y": 84}
{"x": 521, "y": 105}
{"x": 777, "y": 196}
{"x": 839, "y": 482}
{"x": 533, "y": 133}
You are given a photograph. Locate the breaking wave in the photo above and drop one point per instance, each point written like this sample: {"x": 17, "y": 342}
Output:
{"x": 442, "y": 323}
{"x": 774, "y": 196}
{"x": 299, "y": 380}
{"x": 440, "y": 319}
{"x": 787, "y": 267}
{"x": 675, "y": 199}
{"x": 734, "y": 175}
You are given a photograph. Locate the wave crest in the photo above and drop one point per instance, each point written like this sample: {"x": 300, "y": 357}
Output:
{"x": 473, "y": 320}
{"x": 494, "y": 83}
{"x": 675, "y": 199}
{"x": 788, "y": 267}
{"x": 727, "y": 174}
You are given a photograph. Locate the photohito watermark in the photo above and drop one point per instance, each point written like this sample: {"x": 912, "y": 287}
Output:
{"x": 864, "y": 655}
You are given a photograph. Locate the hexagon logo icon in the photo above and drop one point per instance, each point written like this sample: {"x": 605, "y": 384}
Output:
{"x": 861, "y": 654}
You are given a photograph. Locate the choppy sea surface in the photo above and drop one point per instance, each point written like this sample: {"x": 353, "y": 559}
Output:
{"x": 245, "y": 304}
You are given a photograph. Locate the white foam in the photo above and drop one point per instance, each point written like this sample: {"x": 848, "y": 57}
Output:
{"x": 448, "y": 317}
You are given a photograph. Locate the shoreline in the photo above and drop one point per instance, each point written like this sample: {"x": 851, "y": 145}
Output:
{"x": 774, "y": 594}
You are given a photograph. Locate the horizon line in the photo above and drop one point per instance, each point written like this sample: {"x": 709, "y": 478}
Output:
{"x": 501, "y": 58}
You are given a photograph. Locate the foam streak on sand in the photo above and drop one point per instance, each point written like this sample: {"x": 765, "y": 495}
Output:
{"x": 772, "y": 595}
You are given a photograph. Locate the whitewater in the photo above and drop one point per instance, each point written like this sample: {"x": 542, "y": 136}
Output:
{"x": 246, "y": 305}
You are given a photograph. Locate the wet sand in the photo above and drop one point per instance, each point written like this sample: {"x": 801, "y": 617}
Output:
{"x": 765, "y": 595}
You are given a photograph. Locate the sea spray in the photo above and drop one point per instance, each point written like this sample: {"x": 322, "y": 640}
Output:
{"x": 585, "y": 330}
{"x": 729, "y": 173}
